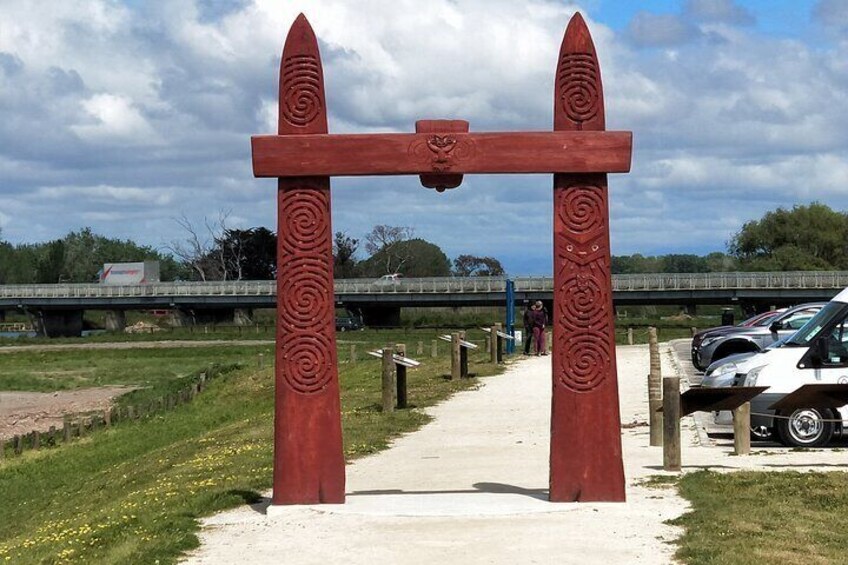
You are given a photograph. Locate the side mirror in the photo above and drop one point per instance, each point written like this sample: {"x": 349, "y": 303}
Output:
{"x": 819, "y": 352}
{"x": 775, "y": 326}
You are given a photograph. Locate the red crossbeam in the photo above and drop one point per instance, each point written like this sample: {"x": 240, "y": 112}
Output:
{"x": 453, "y": 153}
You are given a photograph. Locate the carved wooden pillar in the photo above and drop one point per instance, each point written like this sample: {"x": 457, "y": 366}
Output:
{"x": 308, "y": 454}
{"x": 586, "y": 463}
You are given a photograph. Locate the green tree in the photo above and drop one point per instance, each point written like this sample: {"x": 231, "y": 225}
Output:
{"x": 249, "y": 254}
{"x": 803, "y": 238}
{"x": 474, "y": 266}
{"x": 345, "y": 265}
{"x": 413, "y": 258}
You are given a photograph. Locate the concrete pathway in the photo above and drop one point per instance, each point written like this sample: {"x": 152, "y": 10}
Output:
{"x": 471, "y": 487}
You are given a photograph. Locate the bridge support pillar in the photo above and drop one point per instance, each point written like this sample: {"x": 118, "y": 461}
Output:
{"x": 243, "y": 316}
{"x": 115, "y": 320}
{"x": 181, "y": 318}
{"x": 58, "y": 323}
{"x": 381, "y": 316}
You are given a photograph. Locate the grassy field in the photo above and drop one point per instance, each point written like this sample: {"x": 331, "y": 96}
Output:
{"x": 759, "y": 517}
{"x": 134, "y": 493}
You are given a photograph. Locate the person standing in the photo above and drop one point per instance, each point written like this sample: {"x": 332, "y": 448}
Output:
{"x": 539, "y": 322}
{"x": 528, "y": 327}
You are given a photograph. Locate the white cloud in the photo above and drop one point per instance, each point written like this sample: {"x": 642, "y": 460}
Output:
{"x": 124, "y": 116}
{"x": 115, "y": 120}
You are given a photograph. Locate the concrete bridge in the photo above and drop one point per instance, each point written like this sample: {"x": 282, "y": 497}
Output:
{"x": 57, "y": 309}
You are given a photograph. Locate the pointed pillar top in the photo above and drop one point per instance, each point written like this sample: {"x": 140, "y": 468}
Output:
{"x": 578, "y": 95}
{"x": 302, "y": 104}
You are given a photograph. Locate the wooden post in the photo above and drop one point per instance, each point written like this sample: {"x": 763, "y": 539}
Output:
{"x": 655, "y": 417}
{"x": 420, "y": 350}
{"x": 400, "y": 348}
{"x": 742, "y": 429}
{"x": 456, "y": 356}
{"x": 19, "y": 444}
{"x": 36, "y": 439}
{"x": 463, "y": 357}
{"x": 671, "y": 423}
{"x": 261, "y": 361}
{"x": 353, "y": 353}
{"x": 493, "y": 344}
{"x": 499, "y": 341}
{"x": 66, "y": 430}
{"x": 131, "y": 410}
{"x": 434, "y": 348}
{"x": 388, "y": 380}
{"x": 82, "y": 427}
{"x": 693, "y": 330}
{"x": 107, "y": 417}
{"x": 630, "y": 335}
{"x": 51, "y": 438}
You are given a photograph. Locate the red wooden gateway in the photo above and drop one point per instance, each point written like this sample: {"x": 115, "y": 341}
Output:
{"x": 585, "y": 458}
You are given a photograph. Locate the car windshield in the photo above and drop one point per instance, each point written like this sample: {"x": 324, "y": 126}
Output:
{"x": 811, "y": 329}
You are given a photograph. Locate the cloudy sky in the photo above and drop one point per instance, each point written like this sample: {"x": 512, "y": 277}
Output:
{"x": 123, "y": 116}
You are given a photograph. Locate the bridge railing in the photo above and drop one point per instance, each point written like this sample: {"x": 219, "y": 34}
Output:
{"x": 441, "y": 285}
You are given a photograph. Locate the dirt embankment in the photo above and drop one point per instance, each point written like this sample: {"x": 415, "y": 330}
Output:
{"x": 23, "y": 412}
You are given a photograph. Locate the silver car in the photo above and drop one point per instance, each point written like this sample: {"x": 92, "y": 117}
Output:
{"x": 755, "y": 339}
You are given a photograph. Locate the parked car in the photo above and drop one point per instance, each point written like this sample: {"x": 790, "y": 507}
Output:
{"x": 724, "y": 372}
{"x": 719, "y": 345}
{"x": 816, "y": 354}
{"x": 344, "y": 324}
{"x": 763, "y": 319}
{"x": 392, "y": 278}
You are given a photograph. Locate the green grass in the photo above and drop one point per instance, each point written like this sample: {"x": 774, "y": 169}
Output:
{"x": 755, "y": 517}
{"x": 134, "y": 493}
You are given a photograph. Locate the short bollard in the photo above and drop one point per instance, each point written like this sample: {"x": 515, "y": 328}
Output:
{"x": 463, "y": 357}
{"x": 261, "y": 361}
{"x": 694, "y": 330}
{"x": 434, "y": 348}
{"x": 499, "y": 341}
{"x": 420, "y": 349}
{"x": 742, "y": 429}
{"x": 671, "y": 423}
{"x": 388, "y": 380}
{"x": 400, "y": 349}
{"x": 36, "y": 439}
{"x": 630, "y": 336}
{"x": 655, "y": 417}
{"x": 66, "y": 430}
{"x": 456, "y": 356}
{"x": 353, "y": 353}
{"x": 493, "y": 344}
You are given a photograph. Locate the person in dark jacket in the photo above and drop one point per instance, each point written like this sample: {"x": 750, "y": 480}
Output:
{"x": 528, "y": 327}
{"x": 539, "y": 322}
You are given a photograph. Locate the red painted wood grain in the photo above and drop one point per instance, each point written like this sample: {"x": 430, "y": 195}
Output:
{"x": 308, "y": 453}
{"x": 585, "y": 458}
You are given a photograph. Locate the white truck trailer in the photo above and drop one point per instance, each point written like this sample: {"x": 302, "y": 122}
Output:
{"x": 130, "y": 273}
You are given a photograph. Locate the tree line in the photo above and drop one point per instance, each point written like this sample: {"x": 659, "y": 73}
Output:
{"x": 803, "y": 238}
{"x": 214, "y": 252}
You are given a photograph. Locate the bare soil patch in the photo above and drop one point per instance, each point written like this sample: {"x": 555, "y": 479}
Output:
{"x": 23, "y": 412}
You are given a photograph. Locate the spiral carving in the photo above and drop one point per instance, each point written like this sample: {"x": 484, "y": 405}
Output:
{"x": 586, "y": 306}
{"x": 305, "y": 293}
{"x": 583, "y": 209}
{"x": 307, "y": 367}
{"x": 305, "y": 228}
{"x": 305, "y": 289}
{"x": 302, "y": 100}
{"x": 585, "y": 361}
{"x": 579, "y": 91}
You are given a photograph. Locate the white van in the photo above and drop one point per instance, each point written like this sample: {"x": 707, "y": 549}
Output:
{"x": 815, "y": 354}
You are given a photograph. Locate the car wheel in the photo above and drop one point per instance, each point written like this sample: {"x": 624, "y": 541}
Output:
{"x": 761, "y": 433}
{"x": 804, "y": 427}
{"x": 343, "y": 329}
